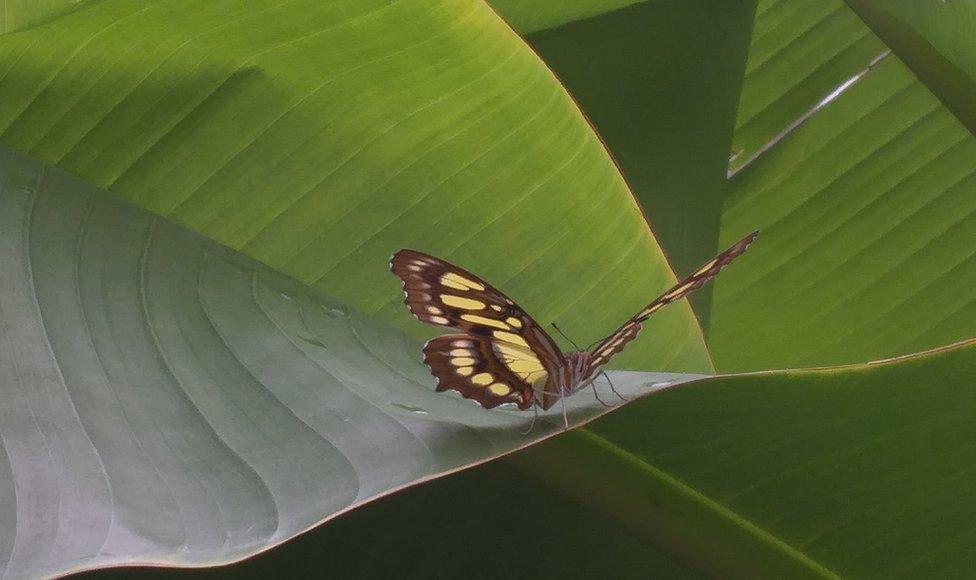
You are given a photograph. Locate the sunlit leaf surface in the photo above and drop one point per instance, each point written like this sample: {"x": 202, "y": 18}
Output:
{"x": 320, "y": 137}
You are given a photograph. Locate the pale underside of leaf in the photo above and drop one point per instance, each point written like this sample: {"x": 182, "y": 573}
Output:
{"x": 169, "y": 401}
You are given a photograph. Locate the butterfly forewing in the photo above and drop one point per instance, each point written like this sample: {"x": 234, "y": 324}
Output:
{"x": 507, "y": 344}
{"x": 442, "y": 294}
{"x": 628, "y": 332}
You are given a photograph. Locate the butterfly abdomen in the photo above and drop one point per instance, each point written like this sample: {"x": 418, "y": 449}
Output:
{"x": 571, "y": 376}
{"x": 579, "y": 364}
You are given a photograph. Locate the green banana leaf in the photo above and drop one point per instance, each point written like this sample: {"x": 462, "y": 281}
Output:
{"x": 868, "y": 213}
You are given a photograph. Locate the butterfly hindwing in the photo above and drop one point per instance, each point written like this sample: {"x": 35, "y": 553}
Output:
{"x": 507, "y": 341}
{"x": 473, "y": 366}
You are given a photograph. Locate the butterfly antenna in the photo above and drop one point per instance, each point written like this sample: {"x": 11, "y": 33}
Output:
{"x": 563, "y": 334}
{"x": 606, "y": 376}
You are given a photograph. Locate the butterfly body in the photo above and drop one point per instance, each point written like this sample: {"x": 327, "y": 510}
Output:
{"x": 575, "y": 377}
{"x": 501, "y": 355}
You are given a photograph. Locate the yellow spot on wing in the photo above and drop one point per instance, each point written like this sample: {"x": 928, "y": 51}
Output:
{"x": 521, "y": 361}
{"x": 512, "y": 351}
{"x": 475, "y": 319}
{"x": 462, "y": 361}
{"x": 652, "y": 309}
{"x": 461, "y": 352}
{"x": 514, "y": 322}
{"x": 482, "y": 379}
{"x": 525, "y": 366}
{"x": 460, "y": 282}
{"x": 439, "y": 320}
{"x": 706, "y": 267}
{"x": 464, "y": 371}
{"x": 499, "y": 389}
{"x": 677, "y": 291}
{"x": 454, "y": 285}
{"x": 465, "y": 303}
{"x": 510, "y": 338}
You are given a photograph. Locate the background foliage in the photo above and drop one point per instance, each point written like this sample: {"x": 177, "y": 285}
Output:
{"x": 316, "y": 138}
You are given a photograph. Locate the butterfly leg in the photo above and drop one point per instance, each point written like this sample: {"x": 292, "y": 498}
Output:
{"x": 597, "y": 396}
{"x": 606, "y": 376}
{"x": 535, "y": 417}
{"x": 565, "y": 415}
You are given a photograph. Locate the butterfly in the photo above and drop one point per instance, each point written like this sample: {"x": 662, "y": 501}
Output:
{"x": 501, "y": 355}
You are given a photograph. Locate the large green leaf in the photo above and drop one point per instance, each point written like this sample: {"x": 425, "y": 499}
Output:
{"x": 166, "y": 400}
{"x": 935, "y": 40}
{"x": 319, "y": 137}
{"x": 861, "y": 472}
{"x": 868, "y": 214}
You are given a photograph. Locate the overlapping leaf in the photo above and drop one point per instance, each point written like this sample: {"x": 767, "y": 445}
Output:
{"x": 935, "y": 40}
{"x": 868, "y": 214}
{"x": 660, "y": 81}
